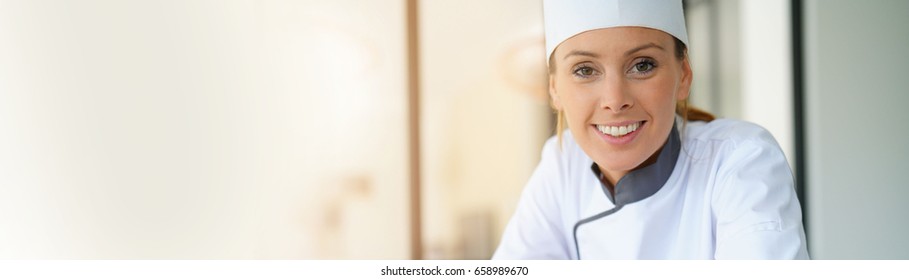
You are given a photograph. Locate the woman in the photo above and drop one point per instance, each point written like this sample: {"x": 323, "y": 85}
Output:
{"x": 639, "y": 175}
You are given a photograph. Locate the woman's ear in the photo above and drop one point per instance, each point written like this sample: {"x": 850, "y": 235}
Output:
{"x": 553, "y": 96}
{"x": 685, "y": 83}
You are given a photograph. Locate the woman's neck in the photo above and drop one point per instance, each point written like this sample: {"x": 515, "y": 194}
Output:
{"x": 611, "y": 178}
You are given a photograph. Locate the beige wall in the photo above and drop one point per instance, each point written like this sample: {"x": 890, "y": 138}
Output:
{"x": 202, "y": 129}
{"x": 261, "y": 129}
{"x": 485, "y": 117}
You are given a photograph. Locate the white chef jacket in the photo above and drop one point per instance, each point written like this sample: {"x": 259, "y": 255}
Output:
{"x": 718, "y": 190}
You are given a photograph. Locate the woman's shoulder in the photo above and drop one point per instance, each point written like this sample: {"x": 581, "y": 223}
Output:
{"x": 565, "y": 154}
{"x": 728, "y": 130}
{"x": 564, "y": 148}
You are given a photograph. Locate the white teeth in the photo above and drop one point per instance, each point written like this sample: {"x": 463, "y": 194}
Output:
{"x": 617, "y": 131}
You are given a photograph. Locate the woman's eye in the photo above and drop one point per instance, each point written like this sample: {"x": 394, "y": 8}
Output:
{"x": 584, "y": 71}
{"x": 643, "y": 67}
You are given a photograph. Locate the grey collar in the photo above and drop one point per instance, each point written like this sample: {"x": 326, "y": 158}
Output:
{"x": 642, "y": 183}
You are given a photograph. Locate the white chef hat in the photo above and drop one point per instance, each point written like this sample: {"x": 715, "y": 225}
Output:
{"x": 567, "y": 18}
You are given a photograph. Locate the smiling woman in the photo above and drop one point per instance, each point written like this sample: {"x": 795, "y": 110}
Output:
{"x": 610, "y": 100}
{"x": 633, "y": 178}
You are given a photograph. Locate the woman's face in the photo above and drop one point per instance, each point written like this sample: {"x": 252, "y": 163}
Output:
{"x": 618, "y": 88}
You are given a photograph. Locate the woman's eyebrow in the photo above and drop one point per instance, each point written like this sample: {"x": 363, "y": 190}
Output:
{"x": 642, "y": 47}
{"x": 627, "y": 53}
{"x": 581, "y": 53}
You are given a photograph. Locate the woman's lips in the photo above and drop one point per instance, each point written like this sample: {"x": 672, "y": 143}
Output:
{"x": 619, "y": 130}
{"x": 621, "y": 133}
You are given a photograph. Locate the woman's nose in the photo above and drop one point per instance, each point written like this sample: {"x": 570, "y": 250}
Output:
{"x": 615, "y": 96}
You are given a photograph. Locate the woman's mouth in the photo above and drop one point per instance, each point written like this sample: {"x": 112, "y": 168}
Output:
{"x": 619, "y": 131}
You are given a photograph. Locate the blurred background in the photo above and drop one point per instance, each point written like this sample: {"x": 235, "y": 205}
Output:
{"x": 397, "y": 129}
